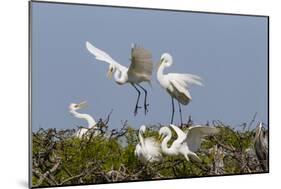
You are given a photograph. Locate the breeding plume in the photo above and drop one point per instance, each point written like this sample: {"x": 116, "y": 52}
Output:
{"x": 90, "y": 120}
{"x": 186, "y": 144}
{"x": 261, "y": 146}
{"x": 139, "y": 70}
{"x": 176, "y": 84}
{"x": 147, "y": 150}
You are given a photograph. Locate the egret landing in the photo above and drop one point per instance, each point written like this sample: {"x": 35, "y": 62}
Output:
{"x": 140, "y": 70}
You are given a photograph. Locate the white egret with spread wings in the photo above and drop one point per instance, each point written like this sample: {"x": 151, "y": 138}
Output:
{"x": 73, "y": 107}
{"x": 186, "y": 144}
{"x": 147, "y": 150}
{"x": 140, "y": 69}
{"x": 176, "y": 84}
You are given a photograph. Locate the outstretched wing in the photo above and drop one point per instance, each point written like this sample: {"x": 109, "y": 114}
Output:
{"x": 101, "y": 55}
{"x": 141, "y": 64}
{"x": 186, "y": 80}
{"x": 180, "y": 84}
{"x": 195, "y": 135}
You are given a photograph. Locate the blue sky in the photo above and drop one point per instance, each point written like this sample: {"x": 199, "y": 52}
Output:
{"x": 229, "y": 52}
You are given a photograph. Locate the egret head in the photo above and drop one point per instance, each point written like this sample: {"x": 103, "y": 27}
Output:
{"x": 166, "y": 59}
{"x": 260, "y": 132}
{"x": 78, "y": 106}
{"x": 142, "y": 129}
{"x": 111, "y": 70}
{"x": 163, "y": 132}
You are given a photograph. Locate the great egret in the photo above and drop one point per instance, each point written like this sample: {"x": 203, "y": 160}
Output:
{"x": 139, "y": 70}
{"x": 176, "y": 84}
{"x": 261, "y": 146}
{"x": 90, "y": 120}
{"x": 186, "y": 144}
{"x": 147, "y": 150}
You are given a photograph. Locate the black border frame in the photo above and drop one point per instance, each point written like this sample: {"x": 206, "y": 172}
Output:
{"x": 138, "y": 8}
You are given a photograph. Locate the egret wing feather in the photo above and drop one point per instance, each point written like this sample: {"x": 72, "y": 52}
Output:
{"x": 101, "y": 55}
{"x": 141, "y": 64}
{"x": 179, "y": 92}
{"x": 151, "y": 145}
{"x": 186, "y": 79}
{"x": 138, "y": 150}
{"x": 152, "y": 149}
{"x": 81, "y": 132}
{"x": 195, "y": 135}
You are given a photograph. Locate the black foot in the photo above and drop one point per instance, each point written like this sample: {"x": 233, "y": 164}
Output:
{"x": 136, "y": 110}
{"x": 145, "y": 108}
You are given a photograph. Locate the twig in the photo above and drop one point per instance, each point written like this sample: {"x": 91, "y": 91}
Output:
{"x": 252, "y": 121}
{"x": 71, "y": 178}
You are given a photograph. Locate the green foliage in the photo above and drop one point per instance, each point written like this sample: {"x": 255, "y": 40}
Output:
{"x": 59, "y": 158}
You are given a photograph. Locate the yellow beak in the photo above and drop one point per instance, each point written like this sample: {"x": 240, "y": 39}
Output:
{"x": 109, "y": 74}
{"x": 160, "y": 138}
{"x": 82, "y": 104}
{"x": 158, "y": 64}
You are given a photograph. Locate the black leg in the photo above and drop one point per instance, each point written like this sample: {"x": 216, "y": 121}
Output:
{"x": 173, "y": 110}
{"x": 137, "y": 103}
{"x": 180, "y": 112}
{"x": 145, "y": 96}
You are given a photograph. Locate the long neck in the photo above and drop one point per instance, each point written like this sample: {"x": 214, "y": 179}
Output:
{"x": 141, "y": 139}
{"x": 160, "y": 73}
{"x": 120, "y": 77}
{"x": 88, "y": 118}
{"x": 164, "y": 145}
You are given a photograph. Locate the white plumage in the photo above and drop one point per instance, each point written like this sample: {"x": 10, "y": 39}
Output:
{"x": 139, "y": 70}
{"x": 90, "y": 120}
{"x": 147, "y": 150}
{"x": 176, "y": 84}
{"x": 186, "y": 144}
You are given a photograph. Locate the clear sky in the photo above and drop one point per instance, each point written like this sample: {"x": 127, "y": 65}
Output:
{"x": 228, "y": 52}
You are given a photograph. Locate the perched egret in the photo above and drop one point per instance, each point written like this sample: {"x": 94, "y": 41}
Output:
{"x": 261, "y": 146}
{"x": 176, "y": 84}
{"x": 90, "y": 120}
{"x": 139, "y": 70}
{"x": 186, "y": 144}
{"x": 147, "y": 150}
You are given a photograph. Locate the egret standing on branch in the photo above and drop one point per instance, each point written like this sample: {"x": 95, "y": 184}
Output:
{"x": 139, "y": 70}
{"x": 186, "y": 144}
{"x": 261, "y": 146}
{"x": 176, "y": 84}
{"x": 147, "y": 150}
{"x": 90, "y": 120}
